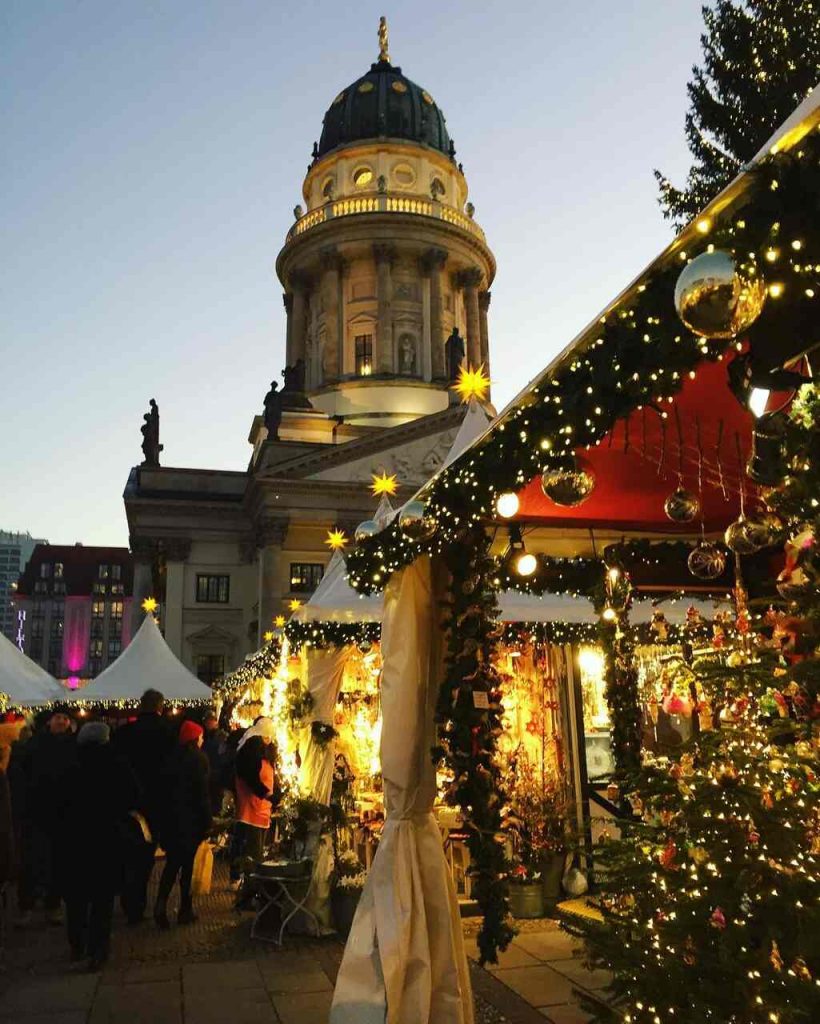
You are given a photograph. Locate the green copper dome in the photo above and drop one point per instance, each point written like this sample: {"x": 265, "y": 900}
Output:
{"x": 383, "y": 104}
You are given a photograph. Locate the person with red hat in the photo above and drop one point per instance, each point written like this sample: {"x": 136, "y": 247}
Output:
{"x": 184, "y": 823}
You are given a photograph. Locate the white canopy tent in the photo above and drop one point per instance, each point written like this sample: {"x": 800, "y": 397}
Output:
{"x": 147, "y": 662}
{"x": 23, "y": 682}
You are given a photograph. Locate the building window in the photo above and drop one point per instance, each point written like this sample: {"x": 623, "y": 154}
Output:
{"x": 362, "y": 177}
{"x": 58, "y": 570}
{"x": 97, "y": 587}
{"x": 213, "y": 589}
{"x": 95, "y": 666}
{"x": 404, "y": 175}
{"x": 118, "y": 589}
{"x": 116, "y": 572}
{"x": 114, "y": 649}
{"x": 364, "y": 355}
{"x": 45, "y": 571}
{"x": 97, "y": 609}
{"x": 40, "y": 587}
{"x": 59, "y": 586}
{"x": 102, "y": 572}
{"x": 210, "y": 667}
{"x": 54, "y": 665}
{"x": 56, "y": 627}
{"x": 116, "y": 610}
{"x": 95, "y": 649}
{"x": 38, "y": 610}
{"x": 35, "y": 650}
{"x": 115, "y": 627}
{"x": 305, "y": 576}
{"x": 37, "y": 629}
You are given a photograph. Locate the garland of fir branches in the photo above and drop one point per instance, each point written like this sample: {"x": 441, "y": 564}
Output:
{"x": 331, "y": 634}
{"x": 469, "y": 715}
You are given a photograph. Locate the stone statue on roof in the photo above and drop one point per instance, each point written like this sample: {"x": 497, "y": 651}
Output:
{"x": 273, "y": 411}
{"x": 454, "y": 355}
{"x": 150, "y": 436}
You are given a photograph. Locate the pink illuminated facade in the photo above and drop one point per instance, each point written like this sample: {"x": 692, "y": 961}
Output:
{"x": 75, "y": 603}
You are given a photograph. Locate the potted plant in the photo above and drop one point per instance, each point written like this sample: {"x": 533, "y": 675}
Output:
{"x": 525, "y": 893}
{"x": 348, "y": 881}
{"x": 538, "y": 833}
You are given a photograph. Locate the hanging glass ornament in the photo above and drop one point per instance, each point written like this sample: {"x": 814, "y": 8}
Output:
{"x": 739, "y": 538}
{"x": 567, "y": 488}
{"x": 364, "y": 646}
{"x": 369, "y": 528}
{"x": 681, "y": 506}
{"x": 794, "y": 584}
{"x": 765, "y": 529}
{"x": 706, "y": 561}
{"x": 415, "y": 522}
{"x": 718, "y": 298}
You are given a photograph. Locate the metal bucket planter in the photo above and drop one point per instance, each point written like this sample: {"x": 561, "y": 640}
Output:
{"x": 343, "y": 903}
{"x": 527, "y": 899}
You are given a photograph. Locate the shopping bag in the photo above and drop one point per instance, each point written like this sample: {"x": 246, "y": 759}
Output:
{"x": 203, "y": 869}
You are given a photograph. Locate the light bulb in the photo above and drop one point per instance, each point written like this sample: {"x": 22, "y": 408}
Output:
{"x": 507, "y": 504}
{"x": 609, "y": 614}
{"x": 526, "y": 564}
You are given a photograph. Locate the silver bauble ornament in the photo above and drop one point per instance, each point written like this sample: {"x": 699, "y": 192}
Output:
{"x": 706, "y": 561}
{"x": 764, "y": 530}
{"x": 567, "y": 488}
{"x": 365, "y": 646}
{"x": 369, "y": 528}
{"x": 415, "y": 522}
{"x": 681, "y": 506}
{"x": 716, "y": 298}
{"x": 793, "y": 584}
{"x": 739, "y": 538}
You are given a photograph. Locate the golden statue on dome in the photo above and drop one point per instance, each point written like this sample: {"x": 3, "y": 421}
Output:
{"x": 384, "y": 56}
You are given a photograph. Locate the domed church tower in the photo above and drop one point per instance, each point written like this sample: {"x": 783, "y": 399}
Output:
{"x": 385, "y": 258}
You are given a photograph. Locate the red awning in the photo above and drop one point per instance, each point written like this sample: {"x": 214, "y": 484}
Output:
{"x": 636, "y": 465}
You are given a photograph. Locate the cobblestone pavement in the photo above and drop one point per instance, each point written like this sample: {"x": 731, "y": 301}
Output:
{"x": 212, "y": 972}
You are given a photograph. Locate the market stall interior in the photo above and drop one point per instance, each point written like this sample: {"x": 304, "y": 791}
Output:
{"x": 646, "y": 460}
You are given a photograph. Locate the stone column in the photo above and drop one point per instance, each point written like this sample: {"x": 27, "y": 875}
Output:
{"x": 432, "y": 265}
{"x": 287, "y": 299}
{"x": 300, "y": 283}
{"x": 144, "y": 550}
{"x": 384, "y": 256}
{"x": 331, "y": 284}
{"x": 270, "y": 574}
{"x": 469, "y": 280}
{"x": 177, "y": 550}
{"x": 483, "y": 307}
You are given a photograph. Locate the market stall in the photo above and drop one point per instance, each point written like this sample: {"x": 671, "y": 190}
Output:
{"x": 23, "y": 684}
{"x": 646, "y": 460}
{"x": 147, "y": 662}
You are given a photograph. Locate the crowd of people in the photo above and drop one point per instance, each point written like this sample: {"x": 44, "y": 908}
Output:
{"x": 86, "y": 806}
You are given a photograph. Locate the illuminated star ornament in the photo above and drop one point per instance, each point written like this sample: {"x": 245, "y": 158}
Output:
{"x": 472, "y": 383}
{"x": 295, "y": 604}
{"x": 384, "y": 484}
{"x": 279, "y": 622}
{"x": 336, "y": 539}
{"x": 268, "y": 636}
{"x": 149, "y": 605}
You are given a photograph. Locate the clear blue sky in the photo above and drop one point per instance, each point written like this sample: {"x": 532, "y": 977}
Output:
{"x": 153, "y": 153}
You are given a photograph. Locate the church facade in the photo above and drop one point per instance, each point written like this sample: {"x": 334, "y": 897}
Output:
{"x": 386, "y": 277}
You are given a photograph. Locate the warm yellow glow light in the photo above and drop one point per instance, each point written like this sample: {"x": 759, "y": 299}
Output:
{"x": 384, "y": 484}
{"x": 776, "y": 290}
{"x": 704, "y": 225}
{"x": 614, "y": 575}
{"x": 526, "y": 564}
{"x": 267, "y": 637}
{"x": 295, "y": 604}
{"x": 279, "y": 622}
{"x": 336, "y": 539}
{"x": 150, "y": 605}
{"x": 472, "y": 383}
{"x": 609, "y": 614}
{"x": 507, "y": 504}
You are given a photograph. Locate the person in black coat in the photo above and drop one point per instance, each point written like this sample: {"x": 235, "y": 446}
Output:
{"x": 39, "y": 767}
{"x": 145, "y": 745}
{"x": 99, "y": 792}
{"x": 184, "y": 822}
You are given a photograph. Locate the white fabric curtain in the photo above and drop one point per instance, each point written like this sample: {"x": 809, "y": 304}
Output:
{"x": 404, "y": 962}
{"x": 324, "y": 670}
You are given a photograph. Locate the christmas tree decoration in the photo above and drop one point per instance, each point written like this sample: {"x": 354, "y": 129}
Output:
{"x": 415, "y": 522}
{"x": 739, "y": 538}
{"x": 764, "y": 529}
{"x": 681, "y": 506}
{"x": 336, "y": 539}
{"x": 369, "y": 528}
{"x": 716, "y": 298}
{"x": 706, "y": 561}
{"x": 567, "y": 488}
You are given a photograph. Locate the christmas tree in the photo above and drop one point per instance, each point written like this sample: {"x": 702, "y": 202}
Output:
{"x": 709, "y": 891}
{"x": 760, "y": 59}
